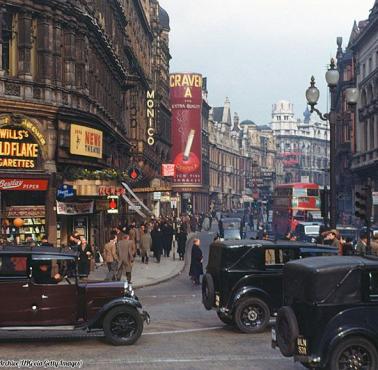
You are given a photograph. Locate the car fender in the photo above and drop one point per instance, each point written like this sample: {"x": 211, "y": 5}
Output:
{"x": 96, "y": 321}
{"x": 345, "y": 324}
{"x": 248, "y": 292}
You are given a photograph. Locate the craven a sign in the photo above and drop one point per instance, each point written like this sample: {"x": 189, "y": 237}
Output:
{"x": 86, "y": 141}
{"x": 21, "y": 144}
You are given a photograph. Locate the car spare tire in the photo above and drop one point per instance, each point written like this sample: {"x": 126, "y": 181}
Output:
{"x": 208, "y": 291}
{"x": 287, "y": 331}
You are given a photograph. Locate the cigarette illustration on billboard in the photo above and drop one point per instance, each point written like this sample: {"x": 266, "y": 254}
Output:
{"x": 189, "y": 144}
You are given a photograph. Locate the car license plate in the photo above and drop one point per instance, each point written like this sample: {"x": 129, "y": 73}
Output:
{"x": 274, "y": 336}
{"x": 302, "y": 346}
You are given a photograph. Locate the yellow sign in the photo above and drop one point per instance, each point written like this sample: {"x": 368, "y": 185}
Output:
{"x": 86, "y": 141}
{"x": 19, "y": 148}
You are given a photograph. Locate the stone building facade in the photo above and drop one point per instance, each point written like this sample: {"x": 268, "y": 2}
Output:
{"x": 68, "y": 72}
{"x": 242, "y": 160}
{"x": 363, "y": 45}
{"x": 302, "y": 145}
{"x": 345, "y": 135}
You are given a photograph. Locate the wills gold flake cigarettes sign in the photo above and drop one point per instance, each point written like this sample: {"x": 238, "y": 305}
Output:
{"x": 85, "y": 141}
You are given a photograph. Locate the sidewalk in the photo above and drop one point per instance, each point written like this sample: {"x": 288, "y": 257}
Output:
{"x": 152, "y": 274}
{"x": 145, "y": 275}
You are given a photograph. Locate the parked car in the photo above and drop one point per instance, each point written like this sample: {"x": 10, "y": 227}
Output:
{"x": 40, "y": 288}
{"x": 330, "y": 317}
{"x": 349, "y": 232}
{"x": 243, "y": 280}
{"x": 232, "y": 228}
{"x": 307, "y": 231}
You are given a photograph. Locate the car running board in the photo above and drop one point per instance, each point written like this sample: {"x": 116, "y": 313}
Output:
{"x": 17, "y": 328}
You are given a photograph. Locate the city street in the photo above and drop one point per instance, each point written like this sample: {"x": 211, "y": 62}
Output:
{"x": 182, "y": 335}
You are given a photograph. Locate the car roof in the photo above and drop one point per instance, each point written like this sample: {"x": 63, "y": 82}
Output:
{"x": 318, "y": 264}
{"x": 269, "y": 243}
{"x": 308, "y": 223}
{"x": 37, "y": 250}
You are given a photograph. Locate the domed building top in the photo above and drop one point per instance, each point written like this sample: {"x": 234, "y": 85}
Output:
{"x": 164, "y": 18}
{"x": 247, "y": 122}
{"x": 283, "y": 107}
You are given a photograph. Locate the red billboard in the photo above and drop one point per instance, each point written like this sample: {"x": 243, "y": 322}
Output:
{"x": 186, "y": 106}
{"x": 23, "y": 184}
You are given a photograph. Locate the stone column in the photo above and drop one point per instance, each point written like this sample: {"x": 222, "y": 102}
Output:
{"x": 51, "y": 218}
{"x": 24, "y": 45}
{"x": 2, "y": 10}
{"x": 57, "y": 53}
{"x": 44, "y": 50}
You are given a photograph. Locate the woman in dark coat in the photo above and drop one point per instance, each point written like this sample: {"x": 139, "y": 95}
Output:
{"x": 85, "y": 254}
{"x": 196, "y": 269}
{"x": 182, "y": 238}
{"x": 157, "y": 242}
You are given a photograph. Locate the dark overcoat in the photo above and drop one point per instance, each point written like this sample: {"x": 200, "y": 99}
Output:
{"x": 196, "y": 268}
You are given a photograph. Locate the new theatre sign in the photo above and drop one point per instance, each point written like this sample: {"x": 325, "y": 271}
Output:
{"x": 21, "y": 144}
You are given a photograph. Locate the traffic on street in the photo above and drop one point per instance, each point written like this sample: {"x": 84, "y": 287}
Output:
{"x": 189, "y": 184}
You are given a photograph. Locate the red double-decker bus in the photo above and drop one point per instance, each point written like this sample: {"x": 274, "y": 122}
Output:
{"x": 293, "y": 203}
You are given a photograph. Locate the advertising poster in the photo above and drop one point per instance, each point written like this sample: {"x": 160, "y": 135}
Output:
{"x": 85, "y": 141}
{"x": 186, "y": 106}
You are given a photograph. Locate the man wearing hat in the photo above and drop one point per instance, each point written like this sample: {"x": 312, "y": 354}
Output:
{"x": 332, "y": 237}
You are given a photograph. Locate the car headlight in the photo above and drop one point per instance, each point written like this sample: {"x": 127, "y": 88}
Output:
{"x": 128, "y": 289}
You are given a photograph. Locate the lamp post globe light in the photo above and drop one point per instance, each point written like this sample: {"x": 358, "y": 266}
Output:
{"x": 312, "y": 95}
{"x": 332, "y": 75}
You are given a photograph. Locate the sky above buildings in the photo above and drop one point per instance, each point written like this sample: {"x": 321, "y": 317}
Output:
{"x": 257, "y": 52}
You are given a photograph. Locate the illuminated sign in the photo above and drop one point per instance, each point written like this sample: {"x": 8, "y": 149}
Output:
{"x": 85, "y": 141}
{"x": 150, "y": 117}
{"x": 112, "y": 204}
{"x": 20, "y": 144}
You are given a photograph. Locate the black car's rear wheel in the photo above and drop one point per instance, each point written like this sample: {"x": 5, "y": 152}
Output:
{"x": 225, "y": 319}
{"x": 287, "y": 330}
{"x": 123, "y": 326}
{"x": 251, "y": 315}
{"x": 354, "y": 353}
{"x": 208, "y": 291}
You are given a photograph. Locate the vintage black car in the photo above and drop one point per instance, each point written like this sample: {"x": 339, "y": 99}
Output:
{"x": 40, "y": 289}
{"x": 243, "y": 280}
{"x": 330, "y": 317}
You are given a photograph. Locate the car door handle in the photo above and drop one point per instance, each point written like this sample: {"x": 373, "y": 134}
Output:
{"x": 44, "y": 296}
{"x": 25, "y": 285}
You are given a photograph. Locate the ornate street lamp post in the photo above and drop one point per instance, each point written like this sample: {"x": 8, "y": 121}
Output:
{"x": 312, "y": 96}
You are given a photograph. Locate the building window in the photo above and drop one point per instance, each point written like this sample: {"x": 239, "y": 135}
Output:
{"x": 9, "y": 34}
{"x": 286, "y": 118}
{"x": 278, "y": 118}
{"x": 370, "y": 65}
{"x": 364, "y": 70}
